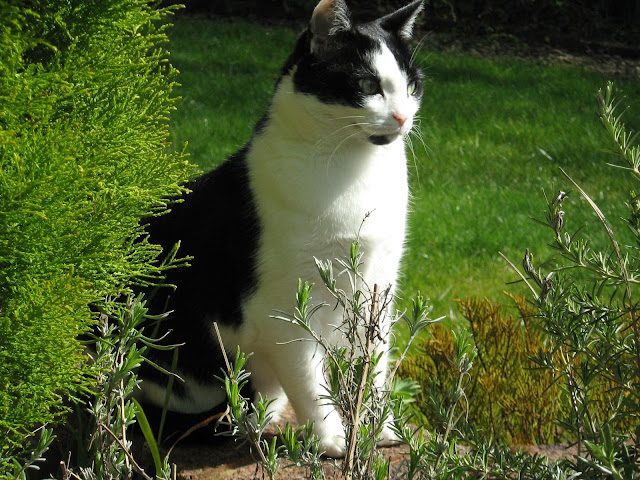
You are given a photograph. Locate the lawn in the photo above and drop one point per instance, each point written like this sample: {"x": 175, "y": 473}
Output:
{"x": 496, "y": 134}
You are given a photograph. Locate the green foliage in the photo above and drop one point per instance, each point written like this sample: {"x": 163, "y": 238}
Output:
{"x": 588, "y": 310}
{"x": 436, "y": 453}
{"x": 85, "y": 91}
{"x": 587, "y": 344}
{"x": 18, "y": 470}
{"x": 507, "y": 397}
{"x": 365, "y": 402}
{"x": 248, "y": 421}
{"x": 103, "y": 440}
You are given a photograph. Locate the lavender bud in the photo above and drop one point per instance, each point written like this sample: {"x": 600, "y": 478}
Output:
{"x": 558, "y": 222}
{"x": 559, "y": 198}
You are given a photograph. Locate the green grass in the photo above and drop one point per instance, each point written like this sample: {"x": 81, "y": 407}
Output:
{"x": 496, "y": 134}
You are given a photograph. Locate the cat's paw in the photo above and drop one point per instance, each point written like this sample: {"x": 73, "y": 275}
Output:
{"x": 388, "y": 437}
{"x": 333, "y": 446}
{"x": 331, "y": 435}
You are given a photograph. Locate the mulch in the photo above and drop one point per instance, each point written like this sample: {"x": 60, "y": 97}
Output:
{"x": 612, "y": 59}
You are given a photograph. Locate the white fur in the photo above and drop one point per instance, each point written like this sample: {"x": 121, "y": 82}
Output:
{"x": 198, "y": 397}
{"x": 395, "y": 100}
{"x": 315, "y": 177}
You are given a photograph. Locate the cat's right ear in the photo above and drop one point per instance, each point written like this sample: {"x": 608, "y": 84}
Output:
{"x": 329, "y": 17}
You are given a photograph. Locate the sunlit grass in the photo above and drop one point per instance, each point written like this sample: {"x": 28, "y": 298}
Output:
{"x": 497, "y": 133}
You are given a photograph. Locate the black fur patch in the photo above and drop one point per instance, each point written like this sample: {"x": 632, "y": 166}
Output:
{"x": 332, "y": 75}
{"x": 381, "y": 139}
{"x": 218, "y": 226}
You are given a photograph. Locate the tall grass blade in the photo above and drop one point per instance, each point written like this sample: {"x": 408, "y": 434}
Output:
{"x": 148, "y": 435}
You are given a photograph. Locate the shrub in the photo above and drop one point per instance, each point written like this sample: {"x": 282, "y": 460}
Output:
{"x": 588, "y": 310}
{"x": 582, "y": 333}
{"x": 350, "y": 370}
{"x": 85, "y": 91}
{"x": 508, "y": 398}
{"x": 585, "y": 314}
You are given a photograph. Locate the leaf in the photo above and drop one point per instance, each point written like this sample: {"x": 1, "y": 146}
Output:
{"x": 148, "y": 435}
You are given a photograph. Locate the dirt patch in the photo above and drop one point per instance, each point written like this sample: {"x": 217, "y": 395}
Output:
{"x": 225, "y": 458}
{"x": 602, "y": 60}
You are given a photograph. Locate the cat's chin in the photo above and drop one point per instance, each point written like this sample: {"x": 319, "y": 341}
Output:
{"x": 382, "y": 139}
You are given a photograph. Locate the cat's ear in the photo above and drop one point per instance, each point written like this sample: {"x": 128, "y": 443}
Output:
{"x": 329, "y": 17}
{"x": 402, "y": 21}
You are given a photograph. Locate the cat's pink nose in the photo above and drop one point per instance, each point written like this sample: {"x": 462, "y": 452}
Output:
{"x": 400, "y": 119}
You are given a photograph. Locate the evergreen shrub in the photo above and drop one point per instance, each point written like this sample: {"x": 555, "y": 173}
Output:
{"x": 85, "y": 92}
{"x": 508, "y": 398}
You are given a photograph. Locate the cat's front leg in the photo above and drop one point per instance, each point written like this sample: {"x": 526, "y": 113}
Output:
{"x": 266, "y": 384}
{"x": 302, "y": 377}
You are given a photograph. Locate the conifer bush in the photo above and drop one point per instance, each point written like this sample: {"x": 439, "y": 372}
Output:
{"x": 509, "y": 399}
{"x": 85, "y": 91}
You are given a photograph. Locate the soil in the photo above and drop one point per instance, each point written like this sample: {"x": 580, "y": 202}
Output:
{"x": 611, "y": 60}
{"x": 223, "y": 458}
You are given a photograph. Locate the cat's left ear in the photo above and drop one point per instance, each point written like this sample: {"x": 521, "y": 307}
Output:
{"x": 329, "y": 17}
{"x": 402, "y": 21}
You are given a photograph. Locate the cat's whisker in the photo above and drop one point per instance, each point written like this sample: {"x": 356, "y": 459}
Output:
{"x": 417, "y": 133}
{"x": 421, "y": 63}
{"x": 417, "y": 48}
{"x": 339, "y": 145}
{"x": 359, "y": 124}
{"x": 345, "y": 127}
{"x": 332, "y": 135}
{"x": 322, "y": 152}
{"x": 345, "y": 137}
{"x": 349, "y": 117}
{"x": 414, "y": 159}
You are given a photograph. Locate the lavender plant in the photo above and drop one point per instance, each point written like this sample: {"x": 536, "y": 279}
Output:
{"x": 351, "y": 373}
{"x": 352, "y": 388}
{"x": 588, "y": 309}
{"x": 119, "y": 350}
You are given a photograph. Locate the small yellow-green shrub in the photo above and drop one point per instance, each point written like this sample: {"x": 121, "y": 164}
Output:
{"x": 508, "y": 398}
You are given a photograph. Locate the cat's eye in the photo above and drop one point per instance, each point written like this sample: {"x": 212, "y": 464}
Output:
{"x": 369, "y": 86}
{"x": 412, "y": 88}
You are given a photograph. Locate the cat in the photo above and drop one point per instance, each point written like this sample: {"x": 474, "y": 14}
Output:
{"x": 329, "y": 152}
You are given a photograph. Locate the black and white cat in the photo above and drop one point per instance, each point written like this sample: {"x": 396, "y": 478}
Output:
{"x": 329, "y": 151}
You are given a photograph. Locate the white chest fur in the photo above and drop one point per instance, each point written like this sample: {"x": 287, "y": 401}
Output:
{"x": 316, "y": 178}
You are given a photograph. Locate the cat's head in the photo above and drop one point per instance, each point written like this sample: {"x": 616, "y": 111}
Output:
{"x": 367, "y": 71}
